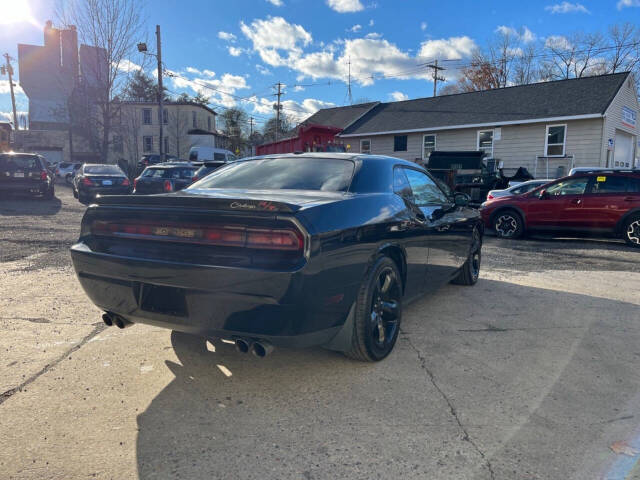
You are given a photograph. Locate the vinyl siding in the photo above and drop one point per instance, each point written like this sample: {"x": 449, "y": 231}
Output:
{"x": 519, "y": 145}
{"x": 626, "y": 97}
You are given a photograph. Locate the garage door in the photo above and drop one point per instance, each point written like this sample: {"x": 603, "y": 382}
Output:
{"x": 623, "y": 153}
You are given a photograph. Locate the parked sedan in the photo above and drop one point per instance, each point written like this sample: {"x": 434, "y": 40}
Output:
{"x": 283, "y": 250}
{"x": 98, "y": 179}
{"x": 517, "y": 189}
{"x": 600, "y": 202}
{"x": 25, "y": 173}
{"x": 164, "y": 178}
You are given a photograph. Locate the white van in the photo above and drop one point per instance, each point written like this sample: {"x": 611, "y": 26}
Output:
{"x": 202, "y": 153}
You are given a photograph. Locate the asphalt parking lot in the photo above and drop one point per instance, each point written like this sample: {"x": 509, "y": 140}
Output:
{"x": 531, "y": 374}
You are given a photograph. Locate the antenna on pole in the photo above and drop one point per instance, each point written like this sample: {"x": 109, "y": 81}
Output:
{"x": 436, "y": 78}
{"x": 349, "y": 84}
{"x": 277, "y": 108}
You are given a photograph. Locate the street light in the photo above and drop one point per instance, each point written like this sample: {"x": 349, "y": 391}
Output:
{"x": 142, "y": 47}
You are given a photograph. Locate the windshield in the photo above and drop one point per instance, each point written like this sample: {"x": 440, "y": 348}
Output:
{"x": 291, "y": 173}
{"x": 103, "y": 170}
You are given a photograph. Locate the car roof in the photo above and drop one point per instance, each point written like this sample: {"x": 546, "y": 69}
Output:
{"x": 339, "y": 156}
{"x": 172, "y": 165}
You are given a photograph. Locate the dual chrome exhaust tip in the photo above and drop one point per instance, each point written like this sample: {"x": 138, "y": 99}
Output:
{"x": 259, "y": 348}
{"x": 111, "y": 319}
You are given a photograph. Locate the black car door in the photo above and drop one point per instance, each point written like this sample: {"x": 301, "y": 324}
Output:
{"x": 444, "y": 226}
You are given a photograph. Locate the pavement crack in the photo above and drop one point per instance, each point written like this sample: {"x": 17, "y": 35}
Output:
{"x": 452, "y": 409}
{"x": 96, "y": 330}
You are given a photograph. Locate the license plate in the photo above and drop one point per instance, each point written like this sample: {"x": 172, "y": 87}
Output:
{"x": 18, "y": 175}
{"x": 107, "y": 182}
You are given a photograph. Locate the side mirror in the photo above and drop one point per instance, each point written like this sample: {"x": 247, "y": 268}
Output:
{"x": 461, "y": 199}
{"x": 544, "y": 195}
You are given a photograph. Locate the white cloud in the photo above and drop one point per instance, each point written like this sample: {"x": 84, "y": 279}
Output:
{"x": 345, "y": 6}
{"x": 447, "y": 48}
{"x": 8, "y": 116}
{"x": 4, "y": 88}
{"x": 229, "y": 37}
{"x": 127, "y": 66}
{"x": 371, "y": 23}
{"x": 568, "y": 7}
{"x": 277, "y": 3}
{"x": 300, "y": 111}
{"x": 274, "y": 35}
{"x": 524, "y": 34}
{"x": 263, "y": 70}
{"x": 225, "y": 86}
{"x": 356, "y": 28}
{"x": 423, "y": 26}
{"x": 628, "y": 3}
{"x": 235, "y": 51}
{"x": 557, "y": 41}
{"x": 373, "y": 35}
{"x": 398, "y": 96}
{"x": 193, "y": 70}
{"x": 298, "y": 88}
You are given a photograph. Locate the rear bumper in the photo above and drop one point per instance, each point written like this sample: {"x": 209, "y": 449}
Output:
{"x": 34, "y": 188}
{"x": 285, "y": 308}
{"x": 92, "y": 192}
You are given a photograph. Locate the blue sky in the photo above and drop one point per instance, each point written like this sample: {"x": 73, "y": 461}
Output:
{"x": 243, "y": 47}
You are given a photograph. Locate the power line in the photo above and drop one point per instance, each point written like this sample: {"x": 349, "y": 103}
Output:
{"x": 436, "y": 68}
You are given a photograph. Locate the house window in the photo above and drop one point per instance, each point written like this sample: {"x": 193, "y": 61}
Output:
{"x": 194, "y": 122}
{"x": 147, "y": 144}
{"x": 555, "y": 140}
{"x": 146, "y": 116}
{"x": 209, "y": 123}
{"x": 165, "y": 116}
{"x": 117, "y": 144}
{"x": 485, "y": 142}
{"x": 400, "y": 143}
{"x": 166, "y": 144}
{"x": 428, "y": 145}
{"x": 365, "y": 146}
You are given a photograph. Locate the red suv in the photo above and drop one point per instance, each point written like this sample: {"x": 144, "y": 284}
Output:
{"x": 598, "y": 202}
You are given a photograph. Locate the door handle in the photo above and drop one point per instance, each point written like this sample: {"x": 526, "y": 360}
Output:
{"x": 576, "y": 201}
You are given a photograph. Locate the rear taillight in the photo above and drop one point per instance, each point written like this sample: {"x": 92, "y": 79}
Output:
{"x": 43, "y": 175}
{"x": 126, "y": 182}
{"x": 220, "y": 235}
{"x": 87, "y": 182}
{"x": 168, "y": 186}
{"x": 194, "y": 178}
{"x": 489, "y": 197}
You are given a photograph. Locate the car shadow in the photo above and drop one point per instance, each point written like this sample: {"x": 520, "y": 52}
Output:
{"x": 504, "y": 380}
{"x": 18, "y": 205}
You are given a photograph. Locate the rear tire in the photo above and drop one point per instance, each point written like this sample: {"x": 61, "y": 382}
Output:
{"x": 49, "y": 194}
{"x": 470, "y": 271}
{"x": 378, "y": 313}
{"x": 631, "y": 231}
{"x": 508, "y": 224}
{"x": 75, "y": 193}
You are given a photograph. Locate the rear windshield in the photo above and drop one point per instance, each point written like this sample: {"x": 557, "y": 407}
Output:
{"x": 103, "y": 170}
{"x": 219, "y": 157}
{"x": 179, "y": 172}
{"x": 327, "y": 174}
{"x": 19, "y": 162}
{"x": 64, "y": 165}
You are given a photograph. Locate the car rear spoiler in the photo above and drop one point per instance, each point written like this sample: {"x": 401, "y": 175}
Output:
{"x": 249, "y": 203}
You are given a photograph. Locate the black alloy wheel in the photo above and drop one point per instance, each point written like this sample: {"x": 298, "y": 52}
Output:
{"x": 470, "y": 271}
{"x": 378, "y": 313}
{"x": 507, "y": 224}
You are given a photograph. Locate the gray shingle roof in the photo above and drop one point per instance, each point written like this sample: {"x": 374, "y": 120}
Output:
{"x": 339, "y": 117}
{"x": 562, "y": 98}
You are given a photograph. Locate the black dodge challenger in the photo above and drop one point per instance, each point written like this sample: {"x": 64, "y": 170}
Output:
{"x": 282, "y": 250}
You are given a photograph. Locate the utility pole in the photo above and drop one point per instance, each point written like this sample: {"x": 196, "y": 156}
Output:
{"x": 278, "y": 107}
{"x": 160, "y": 92}
{"x": 436, "y": 78}
{"x": 250, "y": 127}
{"x": 349, "y": 84}
{"x": 9, "y": 69}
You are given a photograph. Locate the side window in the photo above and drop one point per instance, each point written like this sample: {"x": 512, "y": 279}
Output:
{"x": 608, "y": 184}
{"x": 425, "y": 191}
{"x": 572, "y": 186}
{"x": 401, "y": 184}
{"x": 400, "y": 143}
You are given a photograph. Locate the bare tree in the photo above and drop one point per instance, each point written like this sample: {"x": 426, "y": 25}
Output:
{"x": 177, "y": 129}
{"x": 114, "y": 27}
{"x": 129, "y": 129}
{"x": 625, "y": 40}
{"x": 525, "y": 70}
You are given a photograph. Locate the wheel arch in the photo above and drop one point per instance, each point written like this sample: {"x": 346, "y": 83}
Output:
{"x": 398, "y": 255}
{"x": 625, "y": 217}
{"x": 515, "y": 208}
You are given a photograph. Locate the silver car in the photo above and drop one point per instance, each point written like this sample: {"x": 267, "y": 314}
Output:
{"x": 518, "y": 189}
